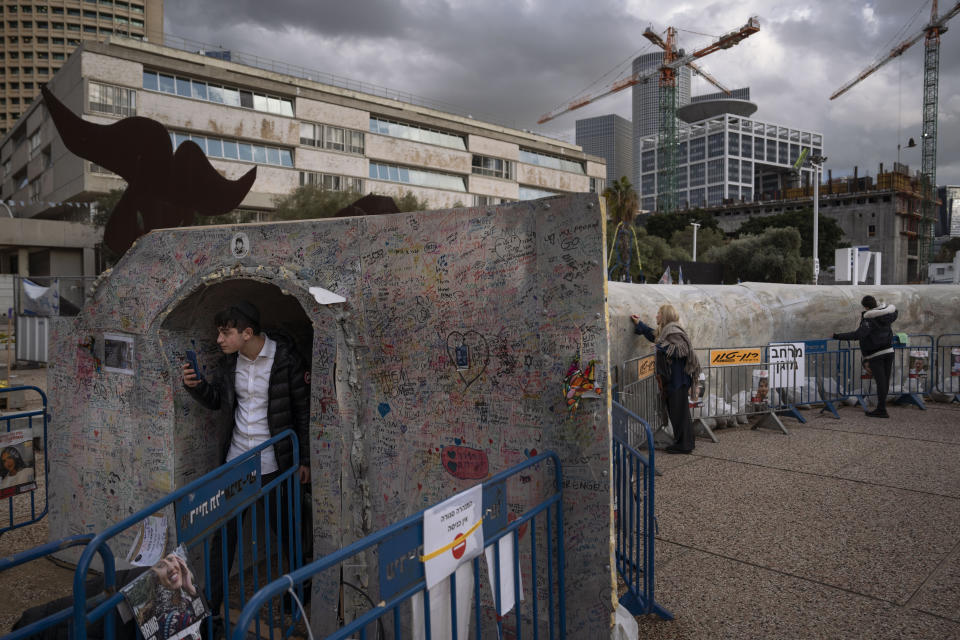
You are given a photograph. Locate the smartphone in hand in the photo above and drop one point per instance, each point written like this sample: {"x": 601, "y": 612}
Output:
{"x": 192, "y": 361}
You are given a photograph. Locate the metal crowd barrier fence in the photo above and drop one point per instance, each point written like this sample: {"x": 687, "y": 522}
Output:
{"x": 20, "y": 433}
{"x": 910, "y": 377}
{"x": 817, "y": 372}
{"x": 202, "y": 510}
{"x": 635, "y": 522}
{"x": 639, "y": 393}
{"x": 737, "y": 382}
{"x": 947, "y": 365}
{"x": 64, "y": 616}
{"x": 401, "y": 577}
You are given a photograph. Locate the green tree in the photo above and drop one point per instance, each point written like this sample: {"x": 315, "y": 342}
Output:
{"x": 666, "y": 224}
{"x": 830, "y": 238}
{"x": 622, "y": 202}
{"x": 706, "y": 239}
{"x": 948, "y": 250}
{"x": 772, "y": 256}
{"x": 311, "y": 201}
{"x": 652, "y": 250}
{"x": 410, "y": 202}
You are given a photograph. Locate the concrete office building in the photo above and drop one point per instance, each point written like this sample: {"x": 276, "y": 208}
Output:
{"x": 611, "y": 138}
{"x": 883, "y": 214}
{"x": 296, "y": 130}
{"x": 38, "y": 37}
{"x": 725, "y": 156}
{"x": 948, "y": 218}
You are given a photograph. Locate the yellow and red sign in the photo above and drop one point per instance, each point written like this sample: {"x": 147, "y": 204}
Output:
{"x": 726, "y": 357}
{"x": 645, "y": 367}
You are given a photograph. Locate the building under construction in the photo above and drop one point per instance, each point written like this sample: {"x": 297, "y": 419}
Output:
{"x": 883, "y": 213}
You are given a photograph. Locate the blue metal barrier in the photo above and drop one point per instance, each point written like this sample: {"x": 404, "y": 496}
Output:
{"x": 401, "y": 573}
{"x": 42, "y": 551}
{"x": 633, "y": 475}
{"x": 196, "y": 528}
{"x": 947, "y": 365}
{"x": 22, "y": 509}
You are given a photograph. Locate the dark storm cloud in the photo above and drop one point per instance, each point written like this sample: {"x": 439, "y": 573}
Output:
{"x": 513, "y": 60}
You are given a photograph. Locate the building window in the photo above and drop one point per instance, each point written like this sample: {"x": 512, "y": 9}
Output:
{"x": 230, "y": 96}
{"x": 532, "y": 193}
{"x": 733, "y": 170}
{"x": 746, "y": 146}
{"x": 229, "y": 149}
{"x": 551, "y": 162}
{"x": 696, "y": 198}
{"x": 416, "y": 133}
{"x": 733, "y": 143}
{"x": 330, "y": 182}
{"x": 333, "y": 138}
{"x": 697, "y": 149}
{"x": 35, "y": 141}
{"x": 597, "y": 185}
{"x": 872, "y": 230}
{"x": 715, "y": 170}
{"x": 714, "y": 195}
{"x": 35, "y": 190}
{"x": 697, "y": 175}
{"x": 118, "y": 101}
{"x": 419, "y": 177}
{"x": 648, "y": 161}
{"x": 494, "y": 167}
{"x": 648, "y": 184}
{"x": 715, "y": 145}
{"x": 311, "y": 134}
{"x": 486, "y": 201}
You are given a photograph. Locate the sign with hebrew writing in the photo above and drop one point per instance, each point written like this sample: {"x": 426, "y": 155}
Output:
{"x": 219, "y": 499}
{"x": 645, "y": 367}
{"x": 452, "y": 534}
{"x": 787, "y": 365}
{"x": 726, "y": 357}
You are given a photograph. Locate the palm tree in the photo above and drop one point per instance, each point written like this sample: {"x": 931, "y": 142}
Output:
{"x": 622, "y": 205}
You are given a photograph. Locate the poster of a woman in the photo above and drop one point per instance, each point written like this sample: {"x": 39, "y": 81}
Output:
{"x": 16, "y": 463}
{"x": 166, "y": 601}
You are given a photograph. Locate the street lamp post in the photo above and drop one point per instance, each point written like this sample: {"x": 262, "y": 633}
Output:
{"x": 695, "y": 225}
{"x": 817, "y": 163}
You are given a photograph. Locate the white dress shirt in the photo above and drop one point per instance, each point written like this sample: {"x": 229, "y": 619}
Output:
{"x": 252, "y": 384}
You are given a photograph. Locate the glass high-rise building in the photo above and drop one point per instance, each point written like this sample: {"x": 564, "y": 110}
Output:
{"x": 646, "y": 102}
{"x": 38, "y": 37}
{"x": 611, "y": 138}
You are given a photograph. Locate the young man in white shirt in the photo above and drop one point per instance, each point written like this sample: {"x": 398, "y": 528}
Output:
{"x": 264, "y": 381}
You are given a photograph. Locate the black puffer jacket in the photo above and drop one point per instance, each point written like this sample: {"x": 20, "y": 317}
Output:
{"x": 875, "y": 332}
{"x": 289, "y": 396}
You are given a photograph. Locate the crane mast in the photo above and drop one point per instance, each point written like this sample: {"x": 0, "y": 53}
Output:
{"x": 931, "y": 82}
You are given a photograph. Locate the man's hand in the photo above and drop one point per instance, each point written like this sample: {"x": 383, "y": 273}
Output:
{"x": 304, "y": 473}
{"x": 190, "y": 378}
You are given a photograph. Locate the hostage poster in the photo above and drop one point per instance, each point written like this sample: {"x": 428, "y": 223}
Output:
{"x": 166, "y": 600}
{"x": 17, "y": 473}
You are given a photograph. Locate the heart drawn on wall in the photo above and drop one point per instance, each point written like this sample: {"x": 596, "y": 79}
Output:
{"x": 469, "y": 354}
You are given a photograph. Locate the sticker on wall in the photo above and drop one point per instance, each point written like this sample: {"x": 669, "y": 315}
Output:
{"x": 118, "y": 353}
{"x": 240, "y": 245}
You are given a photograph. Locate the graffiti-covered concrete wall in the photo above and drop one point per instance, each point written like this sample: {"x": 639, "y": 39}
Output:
{"x": 522, "y": 286}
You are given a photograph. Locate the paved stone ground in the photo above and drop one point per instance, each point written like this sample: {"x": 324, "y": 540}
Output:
{"x": 845, "y": 528}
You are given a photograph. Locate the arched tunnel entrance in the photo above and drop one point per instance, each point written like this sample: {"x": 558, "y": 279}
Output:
{"x": 200, "y": 434}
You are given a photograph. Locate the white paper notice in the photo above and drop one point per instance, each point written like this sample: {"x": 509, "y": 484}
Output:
{"x": 150, "y": 542}
{"x": 441, "y": 622}
{"x": 507, "y": 596}
{"x": 452, "y": 534}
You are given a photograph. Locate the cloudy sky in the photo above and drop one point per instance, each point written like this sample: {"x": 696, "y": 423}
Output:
{"x": 514, "y": 60}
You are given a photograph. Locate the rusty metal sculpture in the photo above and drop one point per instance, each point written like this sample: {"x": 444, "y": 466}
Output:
{"x": 164, "y": 188}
